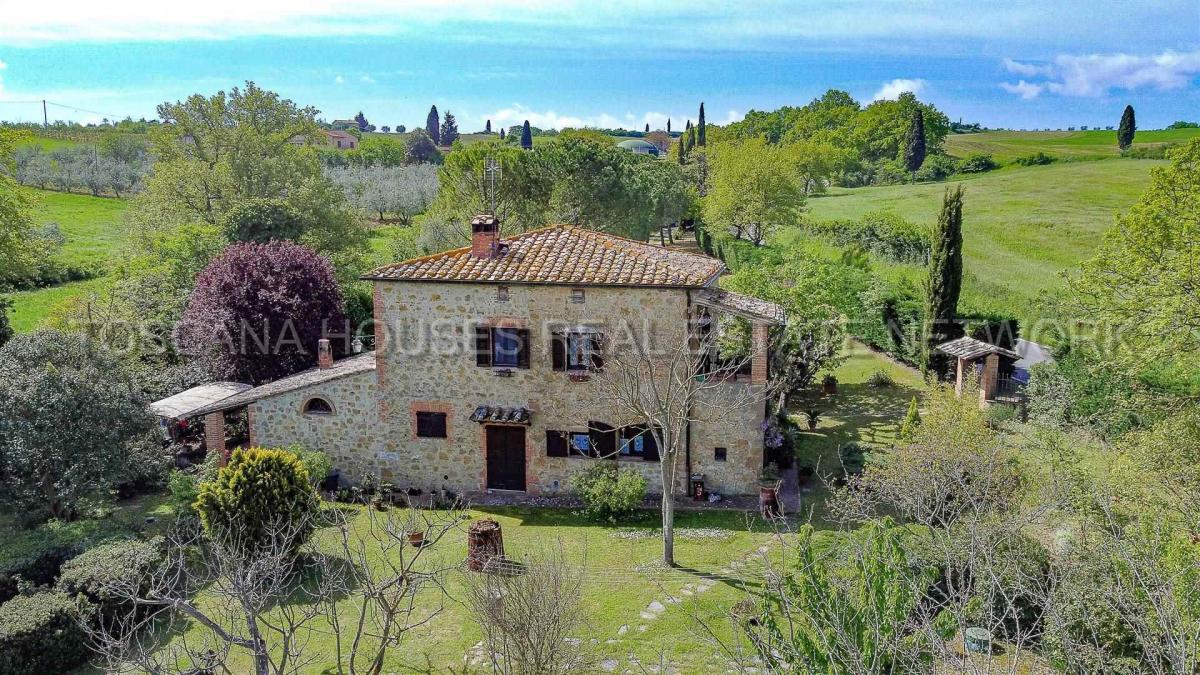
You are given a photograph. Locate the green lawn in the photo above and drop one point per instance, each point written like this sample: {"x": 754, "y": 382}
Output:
{"x": 1021, "y": 226}
{"x": 1006, "y": 146}
{"x": 93, "y": 229}
{"x": 620, "y": 580}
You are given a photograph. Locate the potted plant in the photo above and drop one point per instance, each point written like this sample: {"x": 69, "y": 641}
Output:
{"x": 768, "y": 492}
{"x": 813, "y": 416}
{"x": 829, "y": 384}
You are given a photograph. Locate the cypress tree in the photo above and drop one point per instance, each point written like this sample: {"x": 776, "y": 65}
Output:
{"x": 700, "y": 127}
{"x": 501, "y": 133}
{"x": 1126, "y": 130}
{"x": 680, "y": 153}
{"x": 914, "y": 144}
{"x": 431, "y": 124}
{"x": 449, "y": 129}
{"x": 647, "y": 127}
{"x": 487, "y": 128}
{"x": 526, "y": 136}
{"x": 668, "y": 126}
{"x": 944, "y": 283}
{"x": 691, "y": 140}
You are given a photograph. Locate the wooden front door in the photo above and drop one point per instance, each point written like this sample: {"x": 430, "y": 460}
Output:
{"x": 505, "y": 458}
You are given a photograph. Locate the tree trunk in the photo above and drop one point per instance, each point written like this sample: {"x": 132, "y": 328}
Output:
{"x": 668, "y": 509}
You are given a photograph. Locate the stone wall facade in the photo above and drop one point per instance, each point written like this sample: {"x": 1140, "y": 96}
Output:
{"x": 425, "y": 362}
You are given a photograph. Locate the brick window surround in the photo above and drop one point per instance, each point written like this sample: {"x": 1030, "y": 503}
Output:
{"x": 443, "y": 407}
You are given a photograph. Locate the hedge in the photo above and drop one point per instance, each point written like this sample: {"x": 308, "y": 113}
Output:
{"x": 92, "y": 573}
{"x": 39, "y": 634}
{"x": 887, "y": 235}
{"x": 37, "y": 555}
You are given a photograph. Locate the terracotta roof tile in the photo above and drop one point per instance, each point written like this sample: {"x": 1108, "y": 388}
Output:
{"x": 562, "y": 254}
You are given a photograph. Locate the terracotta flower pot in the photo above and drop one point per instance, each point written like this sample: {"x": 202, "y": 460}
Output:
{"x": 416, "y": 539}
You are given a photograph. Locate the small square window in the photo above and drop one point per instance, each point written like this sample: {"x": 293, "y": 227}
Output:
{"x": 720, "y": 454}
{"x": 576, "y": 295}
{"x": 581, "y": 444}
{"x": 431, "y": 425}
{"x": 502, "y": 293}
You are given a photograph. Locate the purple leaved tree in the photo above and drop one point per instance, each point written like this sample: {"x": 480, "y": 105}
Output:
{"x": 258, "y": 310}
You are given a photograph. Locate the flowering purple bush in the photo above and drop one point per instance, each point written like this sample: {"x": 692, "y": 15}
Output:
{"x": 772, "y": 434}
{"x": 258, "y": 311}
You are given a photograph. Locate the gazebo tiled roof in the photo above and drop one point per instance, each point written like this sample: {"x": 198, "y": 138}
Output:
{"x": 341, "y": 368}
{"x": 969, "y": 348}
{"x": 562, "y": 254}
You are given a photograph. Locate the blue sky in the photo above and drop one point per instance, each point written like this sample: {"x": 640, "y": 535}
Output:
{"x": 560, "y": 63}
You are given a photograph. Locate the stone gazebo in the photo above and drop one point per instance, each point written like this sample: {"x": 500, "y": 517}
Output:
{"x": 990, "y": 364}
{"x": 197, "y": 403}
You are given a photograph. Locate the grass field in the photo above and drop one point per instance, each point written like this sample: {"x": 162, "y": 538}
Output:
{"x": 1021, "y": 226}
{"x": 1006, "y": 146}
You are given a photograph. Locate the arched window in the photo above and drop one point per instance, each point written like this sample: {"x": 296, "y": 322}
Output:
{"x": 317, "y": 406}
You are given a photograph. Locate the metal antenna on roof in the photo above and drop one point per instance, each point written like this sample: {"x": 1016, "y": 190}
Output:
{"x": 492, "y": 169}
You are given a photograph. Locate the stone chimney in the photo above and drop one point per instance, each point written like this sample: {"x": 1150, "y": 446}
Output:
{"x": 485, "y": 236}
{"x": 324, "y": 354}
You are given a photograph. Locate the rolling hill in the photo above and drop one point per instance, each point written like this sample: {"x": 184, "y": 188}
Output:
{"x": 1005, "y": 146}
{"x": 1022, "y": 226}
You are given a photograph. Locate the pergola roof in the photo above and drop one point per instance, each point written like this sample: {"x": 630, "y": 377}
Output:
{"x": 970, "y": 348}
{"x": 187, "y": 403}
{"x": 745, "y": 306}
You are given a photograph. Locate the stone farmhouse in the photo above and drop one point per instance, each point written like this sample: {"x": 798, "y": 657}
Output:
{"x": 484, "y": 374}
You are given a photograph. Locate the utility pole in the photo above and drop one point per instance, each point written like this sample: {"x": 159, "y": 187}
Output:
{"x": 45, "y": 118}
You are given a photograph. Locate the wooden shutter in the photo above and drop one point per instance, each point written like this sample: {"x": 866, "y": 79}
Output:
{"x": 483, "y": 346}
{"x": 651, "y": 447}
{"x": 596, "y": 346}
{"x": 603, "y": 440}
{"x": 558, "y": 351}
{"x": 556, "y": 444}
{"x": 523, "y": 346}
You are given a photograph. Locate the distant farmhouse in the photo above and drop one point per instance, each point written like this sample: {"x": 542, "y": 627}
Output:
{"x": 333, "y": 137}
{"x": 639, "y": 147}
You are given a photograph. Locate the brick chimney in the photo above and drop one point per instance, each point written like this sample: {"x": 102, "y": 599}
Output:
{"x": 324, "y": 354}
{"x": 485, "y": 236}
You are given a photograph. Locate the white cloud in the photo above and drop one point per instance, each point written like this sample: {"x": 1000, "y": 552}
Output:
{"x": 892, "y": 90}
{"x": 3, "y": 65}
{"x": 1025, "y": 90}
{"x": 1092, "y": 75}
{"x": 366, "y": 79}
{"x": 339, "y": 80}
{"x": 551, "y": 119}
{"x": 1026, "y": 69}
{"x": 731, "y": 117}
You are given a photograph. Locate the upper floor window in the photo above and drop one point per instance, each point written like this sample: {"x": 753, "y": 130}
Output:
{"x": 577, "y": 295}
{"x": 501, "y": 347}
{"x": 577, "y": 350}
{"x": 317, "y": 406}
{"x": 502, "y": 293}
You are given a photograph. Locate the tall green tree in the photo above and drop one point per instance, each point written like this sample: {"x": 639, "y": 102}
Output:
{"x": 1127, "y": 128}
{"x": 431, "y": 124}
{"x": 944, "y": 281}
{"x": 519, "y": 193}
{"x": 598, "y": 185}
{"x": 487, "y": 128}
{"x": 914, "y": 144}
{"x": 526, "y": 136}
{"x": 753, "y": 191}
{"x": 1142, "y": 279}
{"x": 689, "y": 140}
{"x": 449, "y": 129}
{"x": 69, "y": 416}
{"x": 700, "y": 139}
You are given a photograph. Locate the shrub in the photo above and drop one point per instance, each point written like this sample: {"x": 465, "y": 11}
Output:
{"x": 92, "y": 573}
{"x": 880, "y": 379}
{"x": 316, "y": 463}
{"x": 609, "y": 493}
{"x": 937, "y": 167}
{"x": 996, "y": 329}
{"x": 1000, "y": 414}
{"x": 853, "y": 457}
{"x": 39, "y": 634}
{"x": 184, "y": 484}
{"x": 1162, "y": 151}
{"x": 1036, "y": 159}
{"x": 977, "y": 163}
{"x": 257, "y": 497}
{"x": 37, "y": 555}
{"x": 882, "y": 233}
